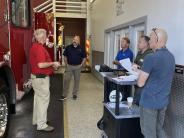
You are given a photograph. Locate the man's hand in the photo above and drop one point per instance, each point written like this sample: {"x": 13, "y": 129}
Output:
{"x": 116, "y": 62}
{"x": 82, "y": 64}
{"x": 56, "y": 65}
{"x": 135, "y": 67}
{"x": 66, "y": 61}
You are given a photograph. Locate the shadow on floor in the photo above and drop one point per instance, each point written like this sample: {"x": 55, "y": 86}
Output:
{"x": 21, "y": 123}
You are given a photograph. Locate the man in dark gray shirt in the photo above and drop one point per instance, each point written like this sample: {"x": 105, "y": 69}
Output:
{"x": 144, "y": 49}
{"x": 155, "y": 77}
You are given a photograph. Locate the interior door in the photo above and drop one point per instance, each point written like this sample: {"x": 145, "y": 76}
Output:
{"x": 138, "y": 31}
{"x": 125, "y": 33}
{"x": 119, "y": 34}
{"x": 107, "y": 48}
{"x": 117, "y": 44}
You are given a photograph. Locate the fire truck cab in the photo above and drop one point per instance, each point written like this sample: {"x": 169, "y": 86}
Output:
{"x": 16, "y": 34}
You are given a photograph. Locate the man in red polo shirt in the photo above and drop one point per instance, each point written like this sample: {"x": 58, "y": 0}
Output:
{"x": 41, "y": 68}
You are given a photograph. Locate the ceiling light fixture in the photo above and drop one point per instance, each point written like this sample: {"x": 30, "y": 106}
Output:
{"x": 91, "y": 1}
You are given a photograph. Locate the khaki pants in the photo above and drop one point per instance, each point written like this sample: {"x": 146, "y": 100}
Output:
{"x": 41, "y": 101}
{"x": 71, "y": 71}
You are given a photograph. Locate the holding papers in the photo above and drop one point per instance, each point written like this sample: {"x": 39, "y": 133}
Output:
{"x": 126, "y": 63}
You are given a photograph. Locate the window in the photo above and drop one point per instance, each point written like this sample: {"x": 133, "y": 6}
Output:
{"x": 138, "y": 31}
{"x": 20, "y": 13}
{"x": 108, "y": 49}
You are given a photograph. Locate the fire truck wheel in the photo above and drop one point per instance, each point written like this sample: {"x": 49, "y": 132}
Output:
{"x": 4, "y": 109}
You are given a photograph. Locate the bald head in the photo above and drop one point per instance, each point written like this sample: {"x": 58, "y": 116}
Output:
{"x": 158, "y": 38}
{"x": 162, "y": 36}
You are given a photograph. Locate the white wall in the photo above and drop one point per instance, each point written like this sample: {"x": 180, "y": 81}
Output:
{"x": 167, "y": 14}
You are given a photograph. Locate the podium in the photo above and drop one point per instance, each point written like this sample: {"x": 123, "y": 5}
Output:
{"x": 118, "y": 120}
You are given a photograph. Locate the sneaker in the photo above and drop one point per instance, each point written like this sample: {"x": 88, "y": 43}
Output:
{"x": 47, "y": 129}
{"x": 74, "y": 97}
{"x": 62, "y": 98}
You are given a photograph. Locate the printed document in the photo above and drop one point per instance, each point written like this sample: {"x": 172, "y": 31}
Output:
{"x": 126, "y": 63}
{"x": 133, "y": 76}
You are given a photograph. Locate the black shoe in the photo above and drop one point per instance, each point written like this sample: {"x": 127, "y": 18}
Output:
{"x": 62, "y": 98}
{"x": 74, "y": 97}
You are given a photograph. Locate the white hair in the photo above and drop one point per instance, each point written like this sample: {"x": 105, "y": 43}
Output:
{"x": 162, "y": 34}
{"x": 39, "y": 34}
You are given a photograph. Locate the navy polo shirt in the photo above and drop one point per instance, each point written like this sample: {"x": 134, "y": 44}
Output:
{"x": 74, "y": 55}
{"x": 123, "y": 55}
{"x": 160, "y": 66}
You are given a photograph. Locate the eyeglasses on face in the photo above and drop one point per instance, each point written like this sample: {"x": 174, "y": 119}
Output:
{"x": 154, "y": 30}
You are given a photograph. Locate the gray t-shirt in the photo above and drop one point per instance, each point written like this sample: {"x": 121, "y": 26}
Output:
{"x": 160, "y": 66}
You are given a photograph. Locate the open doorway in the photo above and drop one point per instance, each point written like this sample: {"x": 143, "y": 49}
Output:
{"x": 70, "y": 28}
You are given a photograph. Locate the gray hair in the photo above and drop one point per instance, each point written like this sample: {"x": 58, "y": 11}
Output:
{"x": 39, "y": 34}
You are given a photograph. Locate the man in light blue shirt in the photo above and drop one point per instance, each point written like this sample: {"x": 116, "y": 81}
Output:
{"x": 155, "y": 77}
{"x": 124, "y": 53}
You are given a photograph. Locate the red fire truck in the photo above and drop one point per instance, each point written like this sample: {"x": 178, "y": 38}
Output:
{"x": 17, "y": 22}
{"x": 15, "y": 41}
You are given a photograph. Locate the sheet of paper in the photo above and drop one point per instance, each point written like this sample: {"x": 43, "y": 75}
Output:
{"x": 126, "y": 78}
{"x": 126, "y": 63}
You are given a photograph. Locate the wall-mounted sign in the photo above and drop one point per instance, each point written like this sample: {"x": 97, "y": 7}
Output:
{"x": 119, "y": 7}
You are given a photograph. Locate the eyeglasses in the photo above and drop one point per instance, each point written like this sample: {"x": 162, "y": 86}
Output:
{"x": 154, "y": 30}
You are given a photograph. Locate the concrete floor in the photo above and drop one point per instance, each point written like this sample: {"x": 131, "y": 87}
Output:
{"x": 84, "y": 113}
{"x": 21, "y": 123}
{"x": 80, "y": 116}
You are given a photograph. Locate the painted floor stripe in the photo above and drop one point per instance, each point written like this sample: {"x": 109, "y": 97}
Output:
{"x": 66, "y": 134}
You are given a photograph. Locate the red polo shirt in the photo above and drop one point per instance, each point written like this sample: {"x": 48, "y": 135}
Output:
{"x": 38, "y": 54}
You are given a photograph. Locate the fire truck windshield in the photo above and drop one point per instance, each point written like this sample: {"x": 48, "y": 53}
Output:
{"x": 20, "y": 13}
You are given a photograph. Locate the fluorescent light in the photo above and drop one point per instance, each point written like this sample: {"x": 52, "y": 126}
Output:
{"x": 91, "y": 1}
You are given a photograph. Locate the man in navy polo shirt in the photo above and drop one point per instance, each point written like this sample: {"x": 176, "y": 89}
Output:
{"x": 124, "y": 53}
{"x": 155, "y": 77}
{"x": 74, "y": 57}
